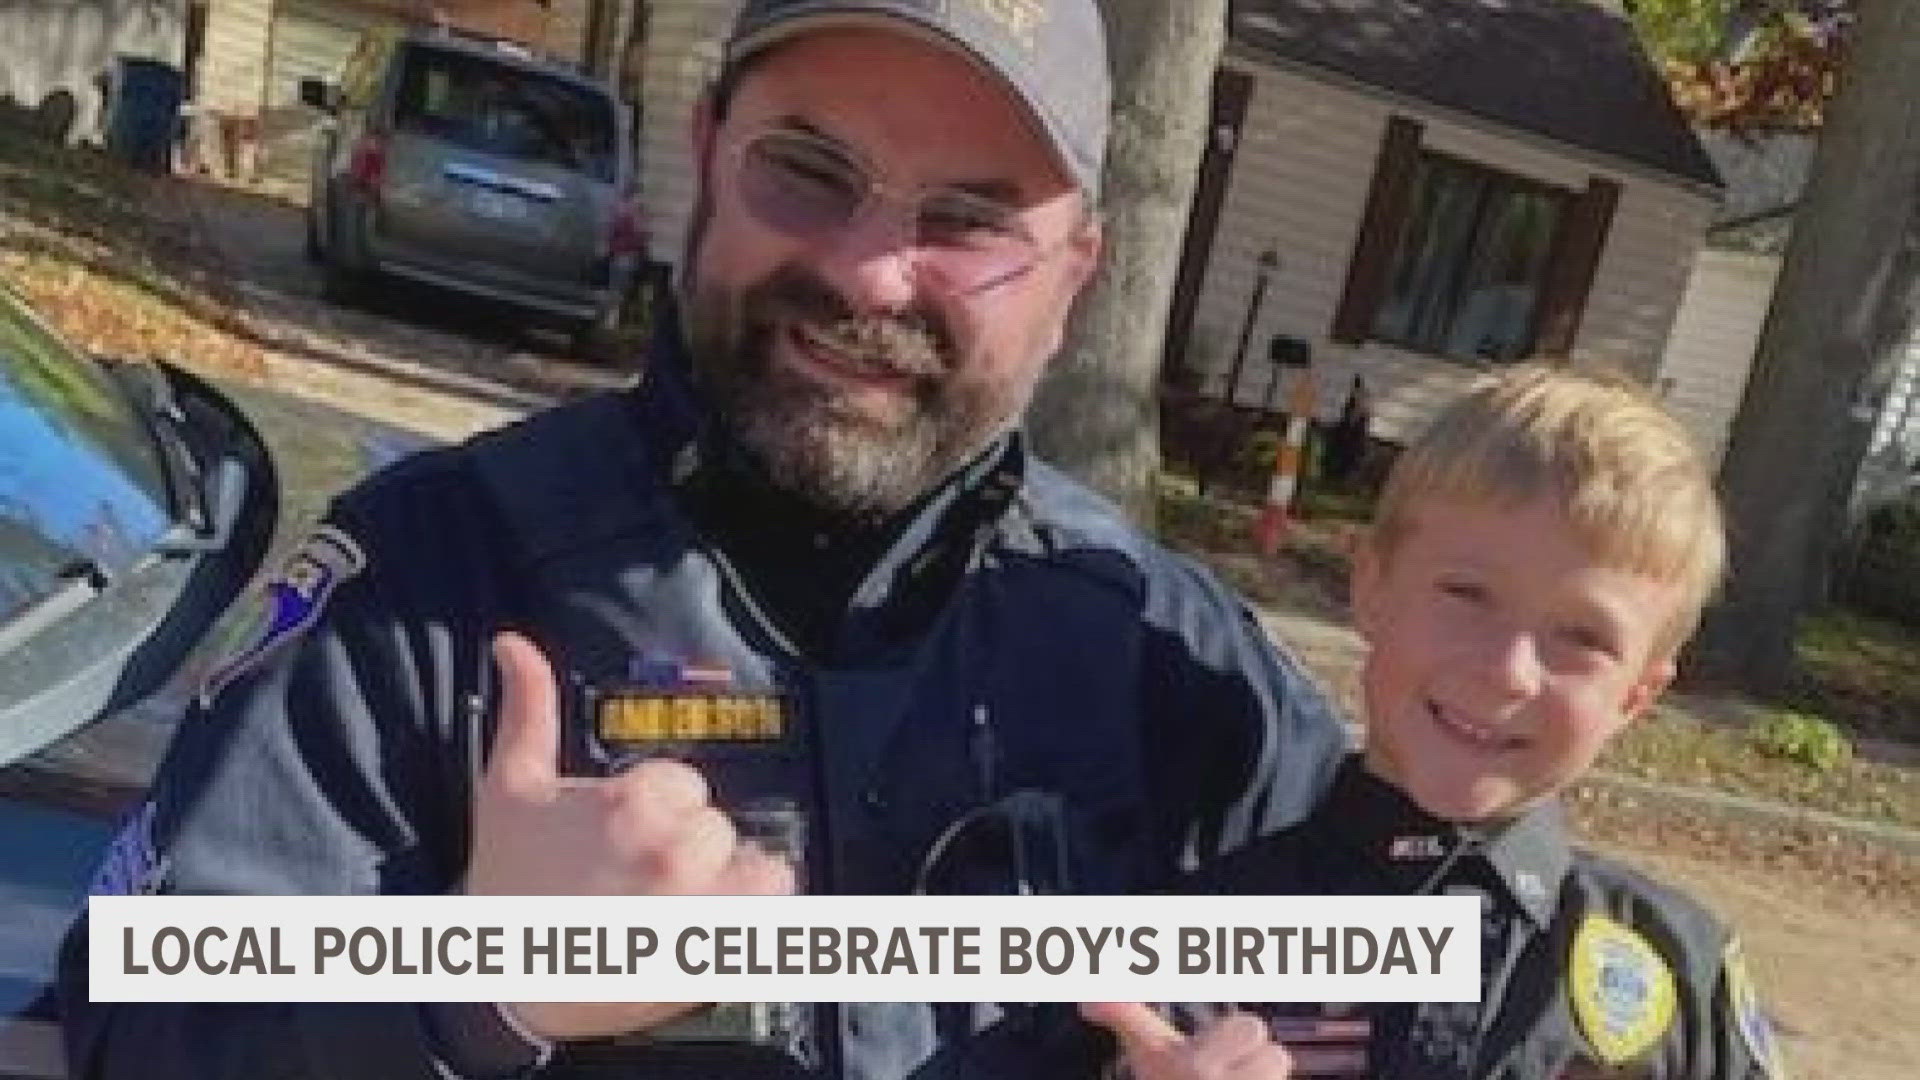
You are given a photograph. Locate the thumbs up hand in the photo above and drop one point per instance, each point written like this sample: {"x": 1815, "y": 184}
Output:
{"x": 1235, "y": 1047}
{"x": 652, "y": 830}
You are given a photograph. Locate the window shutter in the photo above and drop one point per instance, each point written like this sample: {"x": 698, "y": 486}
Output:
{"x": 1576, "y": 255}
{"x": 1388, "y": 200}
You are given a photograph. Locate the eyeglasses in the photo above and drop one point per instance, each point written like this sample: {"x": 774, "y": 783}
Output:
{"x": 813, "y": 189}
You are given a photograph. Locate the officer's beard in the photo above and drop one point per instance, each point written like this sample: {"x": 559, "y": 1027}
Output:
{"x": 813, "y": 438}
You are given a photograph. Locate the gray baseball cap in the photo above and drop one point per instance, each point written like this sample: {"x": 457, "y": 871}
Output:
{"x": 1053, "y": 53}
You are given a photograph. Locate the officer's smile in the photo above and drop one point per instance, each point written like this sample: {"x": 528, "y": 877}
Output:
{"x": 818, "y": 353}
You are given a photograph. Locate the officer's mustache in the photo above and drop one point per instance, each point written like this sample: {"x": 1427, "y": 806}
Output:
{"x": 917, "y": 343}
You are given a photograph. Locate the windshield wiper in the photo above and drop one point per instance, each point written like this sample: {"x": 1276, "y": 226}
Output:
{"x": 79, "y": 581}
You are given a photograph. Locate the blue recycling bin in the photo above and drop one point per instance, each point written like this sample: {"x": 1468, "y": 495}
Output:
{"x": 146, "y": 112}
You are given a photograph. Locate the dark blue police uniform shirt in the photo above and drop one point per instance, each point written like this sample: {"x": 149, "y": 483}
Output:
{"x": 1013, "y": 643}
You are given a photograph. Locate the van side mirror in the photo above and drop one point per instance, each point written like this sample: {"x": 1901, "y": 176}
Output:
{"x": 316, "y": 93}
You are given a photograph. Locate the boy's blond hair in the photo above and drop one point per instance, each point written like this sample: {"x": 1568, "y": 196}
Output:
{"x": 1628, "y": 475}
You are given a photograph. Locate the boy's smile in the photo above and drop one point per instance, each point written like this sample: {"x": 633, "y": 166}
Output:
{"x": 1503, "y": 655}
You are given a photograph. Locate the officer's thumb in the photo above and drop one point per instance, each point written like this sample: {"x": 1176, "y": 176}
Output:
{"x": 1141, "y": 1031}
{"x": 526, "y": 737}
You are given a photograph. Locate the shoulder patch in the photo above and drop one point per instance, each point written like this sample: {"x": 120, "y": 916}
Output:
{"x": 1621, "y": 988}
{"x": 131, "y": 865}
{"x": 289, "y": 604}
{"x": 1749, "y": 1016}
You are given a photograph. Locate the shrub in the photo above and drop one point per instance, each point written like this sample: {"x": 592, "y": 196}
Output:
{"x": 1808, "y": 740}
{"x": 1258, "y": 451}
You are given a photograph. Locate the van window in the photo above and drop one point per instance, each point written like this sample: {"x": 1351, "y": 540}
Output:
{"x": 477, "y": 104}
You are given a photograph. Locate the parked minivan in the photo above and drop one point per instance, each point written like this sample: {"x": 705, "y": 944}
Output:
{"x": 470, "y": 163}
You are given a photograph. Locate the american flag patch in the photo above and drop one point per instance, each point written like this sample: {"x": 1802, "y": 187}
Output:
{"x": 705, "y": 675}
{"x": 659, "y": 671}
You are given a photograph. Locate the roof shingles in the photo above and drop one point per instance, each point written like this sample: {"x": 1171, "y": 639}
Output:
{"x": 1566, "y": 69}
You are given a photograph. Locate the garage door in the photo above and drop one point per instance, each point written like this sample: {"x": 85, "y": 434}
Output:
{"x": 310, "y": 41}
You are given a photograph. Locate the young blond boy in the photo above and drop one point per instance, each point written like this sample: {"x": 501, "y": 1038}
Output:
{"x": 1536, "y": 562}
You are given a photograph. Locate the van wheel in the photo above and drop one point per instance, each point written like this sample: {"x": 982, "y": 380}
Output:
{"x": 340, "y": 284}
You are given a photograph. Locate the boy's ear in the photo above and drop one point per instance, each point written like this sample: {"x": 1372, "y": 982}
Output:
{"x": 1653, "y": 681}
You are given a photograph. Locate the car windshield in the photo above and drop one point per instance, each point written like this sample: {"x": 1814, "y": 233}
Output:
{"x": 495, "y": 108}
{"x": 81, "y": 483}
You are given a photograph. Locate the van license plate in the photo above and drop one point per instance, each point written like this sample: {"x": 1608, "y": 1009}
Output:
{"x": 497, "y": 207}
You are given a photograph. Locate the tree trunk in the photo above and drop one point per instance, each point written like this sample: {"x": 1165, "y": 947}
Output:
{"x": 1844, "y": 305}
{"x": 1096, "y": 414}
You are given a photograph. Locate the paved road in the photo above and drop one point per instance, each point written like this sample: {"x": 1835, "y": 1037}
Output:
{"x": 420, "y": 358}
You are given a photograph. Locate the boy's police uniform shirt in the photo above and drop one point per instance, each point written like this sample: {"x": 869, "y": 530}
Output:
{"x": 1015, "y": 645}
{"x": 1589, "y": 970}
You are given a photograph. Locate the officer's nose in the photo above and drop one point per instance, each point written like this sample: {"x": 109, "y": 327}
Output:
{"x": 873, "y": 264}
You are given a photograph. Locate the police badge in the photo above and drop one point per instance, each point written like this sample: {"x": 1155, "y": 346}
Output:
{"x": 1622, "y": 990}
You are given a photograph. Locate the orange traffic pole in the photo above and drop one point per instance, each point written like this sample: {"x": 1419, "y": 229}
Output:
{"x": 1276, "y": 516}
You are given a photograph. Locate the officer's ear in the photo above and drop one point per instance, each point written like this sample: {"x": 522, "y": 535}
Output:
{"x": 1084, "y": 246}
{"x": 703, "y": 133}
{"x": 703, "y": 129}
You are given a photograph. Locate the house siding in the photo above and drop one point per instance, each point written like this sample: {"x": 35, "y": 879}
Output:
{"x": 1643, "y": 272}
{"x": 1710, "y": 357}
{"x": 564, "y": 34}
{"x": 1899, "y": 424}
{"x": 311, "y": 40}
{"x": 233, "y": 67}
{"x": 1299, "y": 186}
{"x": 1893, "y": 452}
{"x": 682, "y": 55}
{"x": 1704, "y": 372}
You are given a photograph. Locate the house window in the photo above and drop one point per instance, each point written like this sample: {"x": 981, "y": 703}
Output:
{"x": 1471, "y": 264}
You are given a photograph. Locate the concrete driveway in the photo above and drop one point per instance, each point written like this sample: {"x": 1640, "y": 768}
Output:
{"x": 427, "y": 360}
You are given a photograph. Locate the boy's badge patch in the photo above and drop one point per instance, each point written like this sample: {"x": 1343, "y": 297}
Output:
{"x": 1756, "y": 1031}
{"x": 290, "y": 603}
{"x": 1621, "y": 988}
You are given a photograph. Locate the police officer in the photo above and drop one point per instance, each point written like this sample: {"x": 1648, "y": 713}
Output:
{"x": 799, "y": 612}
{"x": 1591, "y": 970}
